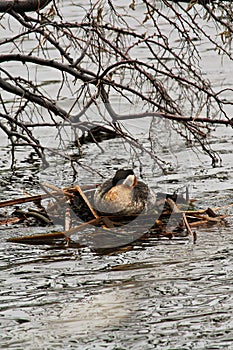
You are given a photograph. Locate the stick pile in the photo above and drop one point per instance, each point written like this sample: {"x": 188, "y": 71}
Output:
{"x": 72, "y": 208}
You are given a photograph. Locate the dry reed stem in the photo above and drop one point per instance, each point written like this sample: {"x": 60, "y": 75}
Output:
{"x": 188, "y": 228}
{"x": 52, "y": 187}
{"x": 21, "y": 200}
{"x": 172, "y": 205}
{"x": 84, "y": 197}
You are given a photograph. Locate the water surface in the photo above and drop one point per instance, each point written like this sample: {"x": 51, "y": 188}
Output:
{"x": 163, "y": 294}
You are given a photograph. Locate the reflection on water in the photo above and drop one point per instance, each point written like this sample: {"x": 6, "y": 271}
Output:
{"x": 171, "y": 294}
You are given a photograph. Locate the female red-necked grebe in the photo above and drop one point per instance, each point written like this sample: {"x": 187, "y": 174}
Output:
{"x": 123, "y": 195}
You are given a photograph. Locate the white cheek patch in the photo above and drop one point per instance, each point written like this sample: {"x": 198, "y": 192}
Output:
{"x": 129, "y": 181}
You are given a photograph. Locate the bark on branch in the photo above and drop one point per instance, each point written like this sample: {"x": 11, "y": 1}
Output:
{"x": 22, "y": 5}
{"x": 19, "y": 91}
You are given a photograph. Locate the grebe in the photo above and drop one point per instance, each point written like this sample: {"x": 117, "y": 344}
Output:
{"x": 123, "y": 195}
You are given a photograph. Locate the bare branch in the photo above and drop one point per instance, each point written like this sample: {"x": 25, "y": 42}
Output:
{"x": 23, "y": 5}
{"x": 149, "y": 61}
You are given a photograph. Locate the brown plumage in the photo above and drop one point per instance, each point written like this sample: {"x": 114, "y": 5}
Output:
{"x": 123, "y": 195}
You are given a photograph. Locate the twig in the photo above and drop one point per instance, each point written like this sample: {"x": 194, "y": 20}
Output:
{"x": 67, "y": 225}
{"x": 22, "y": 200}
{"x": 80, "y": 227}
{"x": 52, "y": 187}
{"x": 67, "y": 219}
{"x": 224, "y": 207}
{"x": 172, "y": 205}
{"x": 7, "y": 221}
{"x": 188, "y": 228}
{"x": 84, "y": 197}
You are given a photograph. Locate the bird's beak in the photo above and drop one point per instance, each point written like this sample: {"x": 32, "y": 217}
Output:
{"x": 135, "y": 181}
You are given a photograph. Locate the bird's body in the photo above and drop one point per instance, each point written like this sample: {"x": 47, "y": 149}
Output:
{"x": 123, "y": 195}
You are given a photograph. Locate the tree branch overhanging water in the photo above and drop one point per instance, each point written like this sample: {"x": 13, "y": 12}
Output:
{"x": 23, "y": 5}
{"x": 96, "y": 59}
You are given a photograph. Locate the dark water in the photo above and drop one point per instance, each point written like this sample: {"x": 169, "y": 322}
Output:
{"x": 165, "y": 294}
{"x": 169, "y": 294}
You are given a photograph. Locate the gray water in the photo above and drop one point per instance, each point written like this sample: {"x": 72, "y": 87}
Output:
{"x": 163, "y": 294}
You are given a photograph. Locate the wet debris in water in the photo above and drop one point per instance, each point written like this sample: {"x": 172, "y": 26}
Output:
{"x": 173, "y": 216}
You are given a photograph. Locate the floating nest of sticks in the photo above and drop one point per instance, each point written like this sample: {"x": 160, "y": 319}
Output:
{"x": 173, "y": 216}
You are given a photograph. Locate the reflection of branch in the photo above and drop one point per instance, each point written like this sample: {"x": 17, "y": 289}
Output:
{"x": 188, "y": 228}
{"x": 15, "y": 136}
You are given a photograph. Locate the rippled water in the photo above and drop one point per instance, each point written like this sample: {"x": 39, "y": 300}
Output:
{"x": 165, "y": 294}
{"x": 168, "y": 293}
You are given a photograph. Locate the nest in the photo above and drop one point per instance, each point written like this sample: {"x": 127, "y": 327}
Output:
{"x": 173, "y": 216}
